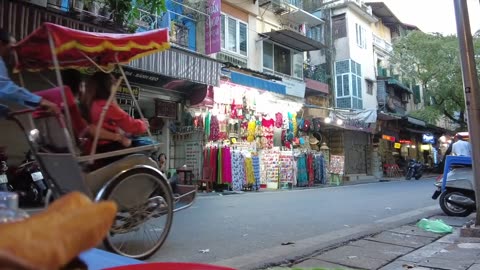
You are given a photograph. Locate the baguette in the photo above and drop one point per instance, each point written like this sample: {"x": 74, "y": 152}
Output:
{"x": 52, "y": 239}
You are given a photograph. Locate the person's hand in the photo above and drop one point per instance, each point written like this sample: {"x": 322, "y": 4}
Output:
{"x": 49, "y": 106}
{"x": 147, "y": 124}
{"x": 125, "y": 141}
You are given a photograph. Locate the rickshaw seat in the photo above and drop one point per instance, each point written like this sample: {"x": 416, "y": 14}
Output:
{"x": 50, "y": 126}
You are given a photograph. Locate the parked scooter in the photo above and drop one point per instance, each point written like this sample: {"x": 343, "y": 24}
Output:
{"x": 458, "y": 199}
{"x": 3, "y": 170}
{"x": 27, "y": 180}
{"x": 414, "y": 169}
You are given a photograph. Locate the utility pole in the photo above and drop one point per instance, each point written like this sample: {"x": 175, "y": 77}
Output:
{"x": 471, "y": 90}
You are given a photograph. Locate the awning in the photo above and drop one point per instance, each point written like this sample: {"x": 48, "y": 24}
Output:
{"x": 181, "y": 64}
{"x": 294, "y": 40}
{"x": 416, "y": 121}
{"x": 254, "y": 82}
{"x": 397, "y": 83}
{"x": 195, "y": 92}
{"x": 385, "y": 116}
{"x": 317, "y": 86}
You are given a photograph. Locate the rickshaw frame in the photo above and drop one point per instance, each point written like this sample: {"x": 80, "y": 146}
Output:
{"x": 61, "y": 173}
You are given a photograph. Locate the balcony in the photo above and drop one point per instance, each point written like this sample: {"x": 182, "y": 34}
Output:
{"x": 315, "y": 72}
{"x": 382, "y": 44}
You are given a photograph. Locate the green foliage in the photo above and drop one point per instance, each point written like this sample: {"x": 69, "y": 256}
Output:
{"x": 434, "y": 61}
{"x": 125, "y": 12}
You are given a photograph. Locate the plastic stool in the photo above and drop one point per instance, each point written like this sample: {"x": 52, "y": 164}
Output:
{"x": 335, "y": 178}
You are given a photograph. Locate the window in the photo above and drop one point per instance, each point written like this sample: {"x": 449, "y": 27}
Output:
{"x": 283, "y": 60}
{"x": 315, "y": 33}
{"x": 339, "y": 26}
{"x": 369, "y": 87}
{"x": 349, "y": 84}
{"x": 360, "y": 33}
{"x": 234, "y": 35}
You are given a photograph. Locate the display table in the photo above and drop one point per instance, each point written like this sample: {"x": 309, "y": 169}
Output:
{"x": 97, "y": 259}
{"x": 187, "y": 175}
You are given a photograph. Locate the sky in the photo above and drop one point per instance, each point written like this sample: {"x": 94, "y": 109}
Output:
{"x": 433, "y": 15}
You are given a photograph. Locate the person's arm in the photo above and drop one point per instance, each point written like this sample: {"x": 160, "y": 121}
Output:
{"x": 125, "y": 121}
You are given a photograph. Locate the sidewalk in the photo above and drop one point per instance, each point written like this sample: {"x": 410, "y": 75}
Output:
{"x": 405, "y": 247}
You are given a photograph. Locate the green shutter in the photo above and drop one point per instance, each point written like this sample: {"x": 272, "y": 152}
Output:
{"x": 416, "y": 94}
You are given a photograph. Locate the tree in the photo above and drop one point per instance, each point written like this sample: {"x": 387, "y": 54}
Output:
{"x": 433, "y": 61}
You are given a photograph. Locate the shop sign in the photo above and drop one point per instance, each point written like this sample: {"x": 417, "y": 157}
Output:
{"x": 142, "y": 77}
{"x": 397, "y": 145}
{"x": 389, "y": 138}
{"x": 124, "y": 93}
{"x": 405, "y": 142}
{"x": 165, "y": 109}
{"x": 294, "y": 87}
{"x": 213, "y": 27}
{"x": 360, "y": 120}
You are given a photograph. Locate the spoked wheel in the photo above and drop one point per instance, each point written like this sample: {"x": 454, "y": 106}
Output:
{"x": 145, "y": 213}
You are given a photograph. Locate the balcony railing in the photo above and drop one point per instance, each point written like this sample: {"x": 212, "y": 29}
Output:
{"x": 315, "y": 72}
{"x": 382, "y": 43}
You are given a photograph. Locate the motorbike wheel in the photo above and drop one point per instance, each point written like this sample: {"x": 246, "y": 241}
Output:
{"x": 453, "y": 210}
{"x": 409, "y": 174}
{"x": 418, "y": 176}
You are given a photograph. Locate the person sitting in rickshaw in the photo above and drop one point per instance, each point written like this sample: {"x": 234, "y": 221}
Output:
{"x": 98, "y": 90}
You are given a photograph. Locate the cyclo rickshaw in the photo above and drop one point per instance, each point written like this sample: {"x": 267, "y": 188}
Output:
{"x": 145, "y": 199}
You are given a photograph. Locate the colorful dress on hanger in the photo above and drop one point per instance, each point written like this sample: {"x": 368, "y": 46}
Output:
{"x": 250, "y": 175}
{"x": 256, "y": 172}
{"x": 214, "y": 128}
{"x": 238, "y": 171}
{"x": 310, "y": 169}
{"x": 227, "y": 165}
{"x": 267, "y": 130}
{"x": 302, "y": 177}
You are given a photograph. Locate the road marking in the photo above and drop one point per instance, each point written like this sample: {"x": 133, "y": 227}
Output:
{"x": 303, "y": 248}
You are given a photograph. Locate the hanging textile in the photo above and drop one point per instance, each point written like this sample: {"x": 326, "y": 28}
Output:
{"x": 214, "y": 129}
{"x": 302, "y": 176}
{"x": 320, "y": 169}
{"x": 238, "y": 170}
{"x": 207, "y": 125}
{"x": 227, "y": 165}
{"x": 310, "y": 169}
{"x": 219, "y": 166}
{"x": 250, "y": 176}
{"x": 256, "y": 172}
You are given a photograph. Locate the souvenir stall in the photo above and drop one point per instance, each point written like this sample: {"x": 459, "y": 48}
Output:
{"x": 258, "y": 139}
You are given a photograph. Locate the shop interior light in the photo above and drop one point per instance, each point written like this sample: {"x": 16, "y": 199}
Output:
{"x": 328, "y": 120}
{"x": 414, "y": 146}
{"x": 198, "y": 113}
{"x": 339, "y": 122}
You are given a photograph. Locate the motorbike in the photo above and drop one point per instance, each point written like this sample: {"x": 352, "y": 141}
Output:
{"x": 4, "y": 186}
{"x": 458, "y": 199}
{"x": 28, "y": 181}
{"x": 414, "y": 169}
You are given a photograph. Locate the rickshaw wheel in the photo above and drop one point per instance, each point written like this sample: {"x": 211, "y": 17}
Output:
{"x": 143, "y": 198}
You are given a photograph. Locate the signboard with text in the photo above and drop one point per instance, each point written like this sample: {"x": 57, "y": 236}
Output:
{"x": 213, "y": 27}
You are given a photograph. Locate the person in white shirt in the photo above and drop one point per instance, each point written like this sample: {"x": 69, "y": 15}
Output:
{"x": 461, "y": 147}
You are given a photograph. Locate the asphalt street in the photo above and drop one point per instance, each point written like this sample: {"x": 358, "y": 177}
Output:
{"x": 221, "y": 227}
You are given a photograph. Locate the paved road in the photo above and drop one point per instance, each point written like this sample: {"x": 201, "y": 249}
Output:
{"x": 234, "y": 225}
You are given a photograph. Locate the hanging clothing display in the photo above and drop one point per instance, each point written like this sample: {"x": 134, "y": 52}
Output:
{"x": 320, "y": 169}
{"x": 227, "y": 165}
{"x": 238, "y": 170}
{"x": 302, "y": 176}
{"x": 256, "y": 172}
{"x": 310, "y": 169}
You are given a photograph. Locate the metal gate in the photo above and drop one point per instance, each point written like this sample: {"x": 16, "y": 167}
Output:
{"x": 356, "y": 148}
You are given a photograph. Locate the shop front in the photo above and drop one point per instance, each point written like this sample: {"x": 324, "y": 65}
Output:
{"x": 256, "y": 135}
